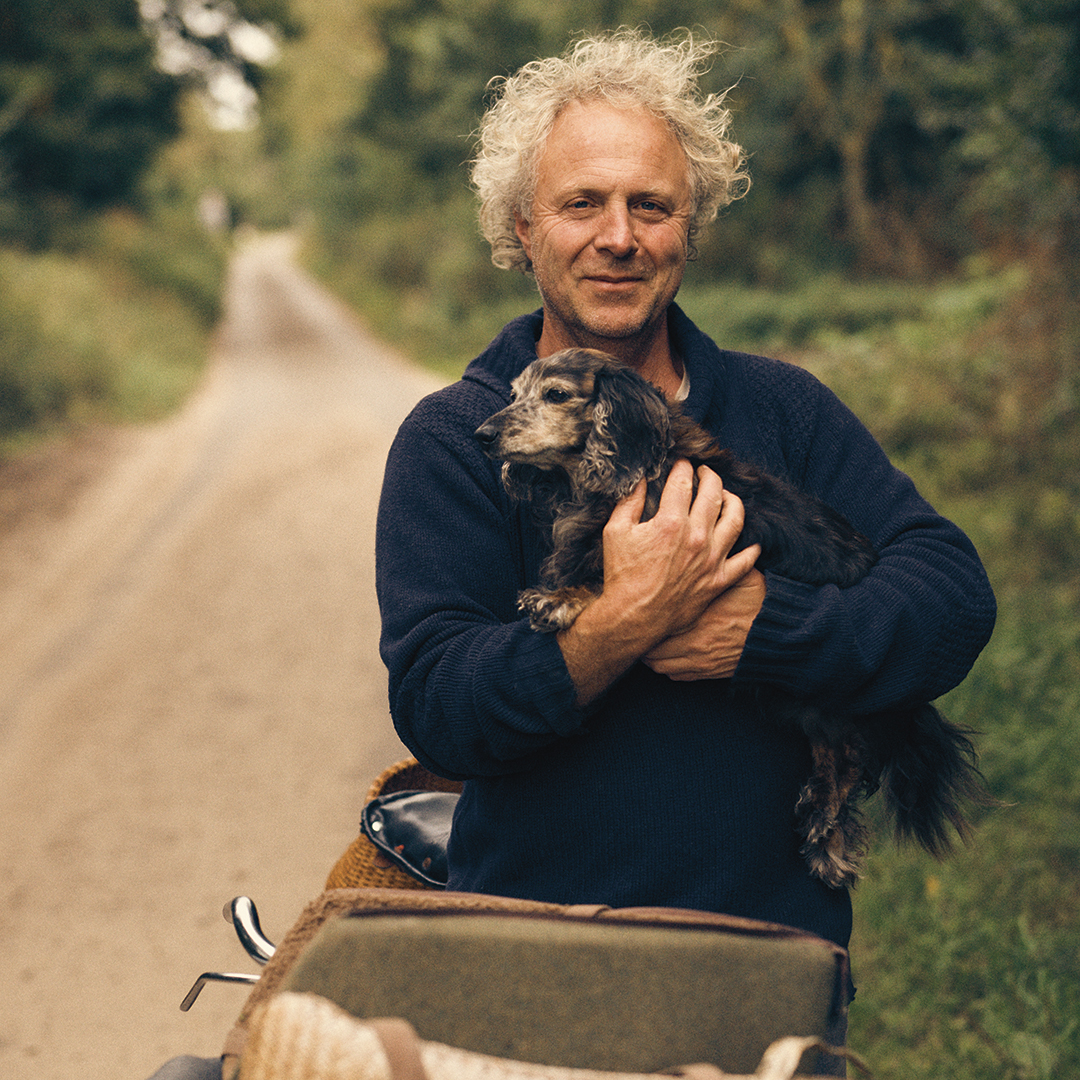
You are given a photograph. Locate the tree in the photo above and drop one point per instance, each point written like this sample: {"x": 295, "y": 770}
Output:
{"x": 223, "y": 47}
{"x": 86, "y": 102}
{"x": 1015, "y": 103}
{"x": 834, "y": 94}
{"x": 84, "y": 107}
{"x": 926, "y": 127}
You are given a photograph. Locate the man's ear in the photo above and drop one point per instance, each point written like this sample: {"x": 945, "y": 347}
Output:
{"x": 524, "y": 233}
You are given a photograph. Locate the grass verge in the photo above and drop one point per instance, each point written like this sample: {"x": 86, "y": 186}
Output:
{"x": 113, "y": 330}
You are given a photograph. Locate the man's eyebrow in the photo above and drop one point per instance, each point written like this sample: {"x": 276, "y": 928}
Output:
{"x": 644, "y": 194}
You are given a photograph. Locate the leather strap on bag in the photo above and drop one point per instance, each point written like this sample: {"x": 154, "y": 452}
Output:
{"x": 305, "y": 1037}
{"x": 402, "y": 1048}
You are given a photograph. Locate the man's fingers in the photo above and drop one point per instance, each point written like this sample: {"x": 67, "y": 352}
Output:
{"x": 721, "y": 514}
{"x": 709, "y": 498}
{"x": 742, "y": 562}
{"x": 732, "y": 515}
{"x": 714, "y": 502}
{"x": 628, "y": 511}
{"x": 715, "y": 514}
{"x": 678, "y": 491}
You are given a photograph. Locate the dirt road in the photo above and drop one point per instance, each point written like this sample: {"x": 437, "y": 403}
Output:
{"x": 191, "y": 699}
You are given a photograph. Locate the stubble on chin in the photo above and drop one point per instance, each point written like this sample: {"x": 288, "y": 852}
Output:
{"x": 591, "y": 324}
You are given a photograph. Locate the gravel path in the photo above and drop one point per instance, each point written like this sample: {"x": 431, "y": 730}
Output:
{"x": 191, "y": 700}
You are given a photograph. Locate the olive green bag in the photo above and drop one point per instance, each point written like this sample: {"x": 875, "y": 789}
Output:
{"x": 621, "y": 990}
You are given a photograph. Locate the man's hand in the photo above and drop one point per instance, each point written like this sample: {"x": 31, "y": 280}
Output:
{"x": 711, "y": 648}
{"x": 667, "y": 570}
{"x": 660, "y": 576}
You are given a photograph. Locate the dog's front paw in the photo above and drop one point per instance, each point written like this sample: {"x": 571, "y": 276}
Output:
{"x": 550, "y": 612}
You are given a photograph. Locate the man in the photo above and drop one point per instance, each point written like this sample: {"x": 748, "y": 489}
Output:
{"x": 625, "y": 761}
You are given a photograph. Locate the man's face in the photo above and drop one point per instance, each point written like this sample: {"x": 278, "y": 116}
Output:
{"x": 607, "y": 234}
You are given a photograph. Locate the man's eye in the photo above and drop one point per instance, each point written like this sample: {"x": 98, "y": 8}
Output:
{"x": 556, "y": 396}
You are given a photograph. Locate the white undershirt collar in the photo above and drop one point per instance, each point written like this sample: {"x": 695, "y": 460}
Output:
{"x": 684, "y": 387}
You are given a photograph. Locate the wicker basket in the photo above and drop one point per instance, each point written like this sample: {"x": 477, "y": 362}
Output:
{"x": 363, "y": 866}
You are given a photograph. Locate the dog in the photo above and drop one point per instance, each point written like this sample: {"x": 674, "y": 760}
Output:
{"x": 581, "y": 433}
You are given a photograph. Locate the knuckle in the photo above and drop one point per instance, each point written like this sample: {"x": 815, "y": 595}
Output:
{"x": 698, "y": 538}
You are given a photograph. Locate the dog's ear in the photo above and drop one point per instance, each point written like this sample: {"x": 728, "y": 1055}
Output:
{"x": 631, "y": 432}
{"x": 516, "y": 480}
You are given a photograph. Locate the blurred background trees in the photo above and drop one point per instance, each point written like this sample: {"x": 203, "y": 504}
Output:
{"x": 911, "y": 130}
{"x": 889, "y": 139}
{"x": 83, "y": 109}
{"x": 892, "y": 139}
{"x": 98, "y": 234}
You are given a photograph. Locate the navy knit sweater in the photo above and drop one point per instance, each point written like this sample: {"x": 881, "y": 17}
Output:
{"x": 664, "y": 793}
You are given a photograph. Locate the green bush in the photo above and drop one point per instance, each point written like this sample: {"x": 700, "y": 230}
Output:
{"x": 116, "y": 332}
{"x": 43, "y": 379}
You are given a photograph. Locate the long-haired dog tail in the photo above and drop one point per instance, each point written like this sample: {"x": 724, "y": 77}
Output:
{"x": 930, "y": 774}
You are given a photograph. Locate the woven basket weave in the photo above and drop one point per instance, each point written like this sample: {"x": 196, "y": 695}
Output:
{"x": 363, "y": 866}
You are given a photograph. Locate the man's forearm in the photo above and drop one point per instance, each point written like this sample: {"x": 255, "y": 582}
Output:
{"x": 713, "y": 646}
{"x": 601, "y": 646}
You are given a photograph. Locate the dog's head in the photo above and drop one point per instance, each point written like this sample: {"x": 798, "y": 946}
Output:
{"x": 582, "y": 413}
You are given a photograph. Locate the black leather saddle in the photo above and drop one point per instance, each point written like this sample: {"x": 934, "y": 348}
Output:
{"x": 411, "y": 828}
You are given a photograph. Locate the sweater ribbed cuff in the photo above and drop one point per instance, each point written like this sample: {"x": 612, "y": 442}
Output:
{"x": 541, "y": 684}
{"x": 779, "y": 641}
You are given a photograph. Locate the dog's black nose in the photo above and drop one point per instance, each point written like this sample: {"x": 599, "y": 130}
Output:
{"x": 487, "y": 433}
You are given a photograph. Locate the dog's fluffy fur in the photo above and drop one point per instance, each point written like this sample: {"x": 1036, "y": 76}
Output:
{"x": 583, "y": 430}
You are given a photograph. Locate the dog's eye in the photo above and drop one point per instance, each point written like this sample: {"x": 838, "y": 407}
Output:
{"x": 556, "y": 396}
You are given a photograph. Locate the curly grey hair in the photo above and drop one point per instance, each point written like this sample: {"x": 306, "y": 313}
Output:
{"x": 624, "y": 67}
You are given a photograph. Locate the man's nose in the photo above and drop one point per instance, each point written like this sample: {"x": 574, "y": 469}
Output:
{"x": 616, "y": 231}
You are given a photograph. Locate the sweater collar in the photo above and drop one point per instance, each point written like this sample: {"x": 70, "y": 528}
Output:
{"x": 514, "y": 348}
{"x": 510, "y": 352}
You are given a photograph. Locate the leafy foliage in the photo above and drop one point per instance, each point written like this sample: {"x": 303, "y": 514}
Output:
{"x": 81, "y": 333}
{"x": 84, "y": 108}
{"x": 98, "y": 256}
{"x": 221, "y": 47}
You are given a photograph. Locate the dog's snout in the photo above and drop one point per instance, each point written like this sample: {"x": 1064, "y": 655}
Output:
{"x": 487, "y": 433}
